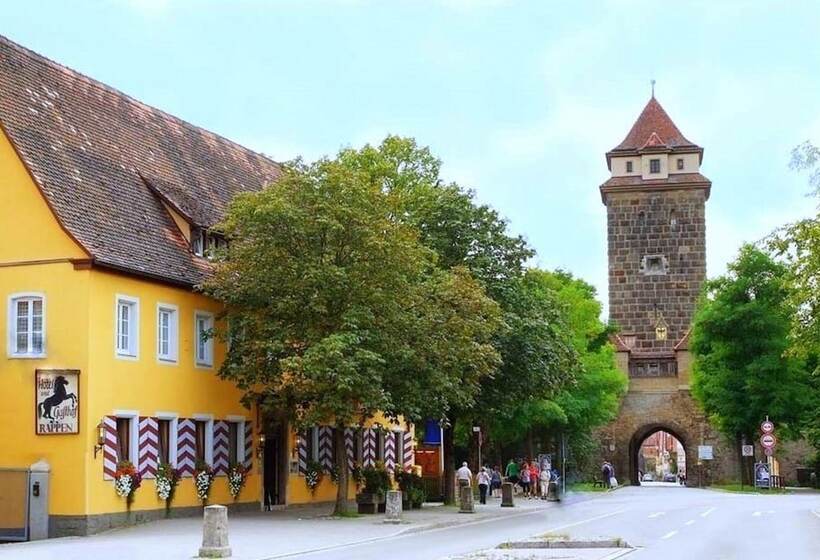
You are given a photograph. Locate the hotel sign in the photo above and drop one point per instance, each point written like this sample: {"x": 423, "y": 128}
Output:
{"x": 57, "y": 401}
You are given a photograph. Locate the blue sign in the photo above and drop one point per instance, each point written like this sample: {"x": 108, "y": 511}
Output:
{"x": 432, "y": 433}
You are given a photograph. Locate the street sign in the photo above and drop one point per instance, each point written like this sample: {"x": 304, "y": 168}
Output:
{"x": 476, "y": 429}
{"x": 762, "y": 475}
{"x": 769, "y": 451}
{"x": 768, "y": 440}
{"x": 748, "y": 450}
{"x": 705, "y": 452}
{"x": 767, "y": 427}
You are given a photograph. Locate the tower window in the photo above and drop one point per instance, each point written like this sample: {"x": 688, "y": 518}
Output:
{"x": 654, "y": 166}
{"x": 673, "y": 218}
{"x": 629, "y": 167}
{"x": 654, "y": 264}
{"x": 680, "y": 164}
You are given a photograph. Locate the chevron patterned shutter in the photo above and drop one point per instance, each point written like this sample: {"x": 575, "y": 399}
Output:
{"x": 302, "y": 451}
{"x": 409, "y": 458}
{"x": 350, "y": 446}
{"x": 390, "y": 451}
{"x": 326, "y": 447}
{"x": 220, "y": 451}
{"x": 369, "y": 447}
{"x": 186, "y": 446}
{"x": 110, "y": 447}
{"x": 148, "y": 446}
{"x": 248, "y": 444}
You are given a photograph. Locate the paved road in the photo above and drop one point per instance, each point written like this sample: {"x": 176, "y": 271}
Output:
{"x": 672, "y": 523}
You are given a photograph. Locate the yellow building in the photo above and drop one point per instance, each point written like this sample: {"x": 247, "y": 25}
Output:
{"x": 105, "y": 210}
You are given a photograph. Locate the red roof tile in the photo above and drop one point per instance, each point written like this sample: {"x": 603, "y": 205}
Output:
{"x": 94, "y": 151}
{"x": 653, "y": 122}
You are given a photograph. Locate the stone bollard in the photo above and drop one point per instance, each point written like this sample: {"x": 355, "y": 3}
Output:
{"x": 507, "y": 495}
{"x": 393, "y": 508}
{"x": 215, "y": 533}
{"x": 465, "y": 502}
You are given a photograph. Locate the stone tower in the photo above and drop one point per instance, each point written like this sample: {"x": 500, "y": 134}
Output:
{"x": 656, "y": 229}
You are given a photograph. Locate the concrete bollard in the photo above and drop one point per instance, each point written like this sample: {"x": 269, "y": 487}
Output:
{"x": 393, "y": 507}
{"x": 465, "y": 502}
{"x": 215, "y": 533}
{"x": 507, "y": 495}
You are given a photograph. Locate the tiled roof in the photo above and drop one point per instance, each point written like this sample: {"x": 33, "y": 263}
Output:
{"x": 103, "y": 160}
{"x": 653, "y": 128}
{"x": 672, "y": 179}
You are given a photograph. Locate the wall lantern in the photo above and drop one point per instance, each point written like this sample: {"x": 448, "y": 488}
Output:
{"x": 260, "y": 446}
{"x": 100, "y": 439}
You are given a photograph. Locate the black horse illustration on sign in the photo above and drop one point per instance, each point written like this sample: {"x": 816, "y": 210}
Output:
{"x": 60, "y": 395}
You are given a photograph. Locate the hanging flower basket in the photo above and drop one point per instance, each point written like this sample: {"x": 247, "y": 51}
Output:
{"x": 167, "y": 480}
{"x": 203, "y": 479}
{"x": 126, "y": 481}
{"x": 237, "y": 475}
{"x": 313, "y": 475}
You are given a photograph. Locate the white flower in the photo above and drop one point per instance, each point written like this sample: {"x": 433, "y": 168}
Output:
{"x": 122, "y": 485}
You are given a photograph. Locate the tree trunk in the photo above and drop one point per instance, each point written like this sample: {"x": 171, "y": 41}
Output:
{"x": 530, "y": 446}
{"x": 449, "y": 463}
{"x": 341, "y": 462}
{"x": 745, "y": 475}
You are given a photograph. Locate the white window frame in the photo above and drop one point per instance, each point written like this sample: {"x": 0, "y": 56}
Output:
{"x": 173, "y": 419}
{"x": 132, "y": 353}
{"x": 209, "y": 435}
{"x": 240, "y": 436}
{"x": 208, "y": 360}
{"x": 133, "y": 435}
{"x": 11, "y": 326}
{"x": 172, "y": 357}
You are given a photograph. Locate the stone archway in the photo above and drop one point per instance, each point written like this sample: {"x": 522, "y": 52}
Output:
{"x": 647, "y": 430}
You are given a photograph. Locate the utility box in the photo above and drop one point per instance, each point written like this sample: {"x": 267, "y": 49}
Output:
{"x": 38, "y": 500}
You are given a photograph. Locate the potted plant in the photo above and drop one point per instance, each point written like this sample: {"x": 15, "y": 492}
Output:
{"x": 126, "y": 481}
{"x": 203, "y": 479}
{"x": 167, "y": 480}
{"x": 237, "y": 475}
{"x": 376, "y": 485}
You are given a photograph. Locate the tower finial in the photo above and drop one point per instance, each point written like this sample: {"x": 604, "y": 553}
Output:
{"x": 653, "y": 88}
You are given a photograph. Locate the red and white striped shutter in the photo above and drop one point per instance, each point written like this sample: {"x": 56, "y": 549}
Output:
{"x": 248, "y": 445}
{"x": 409, "y": 458}
{"x": 148, "y": 446}
{"x": 221, "y": 443}
{"x": 302, "y": 451}
{"x": 109, "y": 447}
{"x": 186, "y": 446}
{"x": 390, "y": 451}
{"x": 350, "y": 446}
{"x": 326, "y": 447}
{"x": 369, "y": 447}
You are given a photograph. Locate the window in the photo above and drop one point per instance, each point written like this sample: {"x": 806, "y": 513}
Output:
{"x": 127, "y": 328}
{"x": 204, "y": 438}
{"x": 201, "y": 428}
{"x": 654, "y": 166}
{"x": 673, "y": 218}
{"x": 26, "y": 326}
{"x": 167, "y": 333}
{"x": 123, "y": 439}
{"x": 233, "y": 443}
{"x": 680, "y": 164}
{"x": 654, "y": 264}
{"x": 313, "y": 443}
{"x": 204, "y": 323}
{"x": 164, "y": 451}
{"x": 629, "y": 167}
{"x": 380, "y": 445}
{"x": 198, "y": 241}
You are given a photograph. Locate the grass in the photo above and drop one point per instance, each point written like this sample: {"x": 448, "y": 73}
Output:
{"x": 585, "y": 487}
{"x": 347, "y": 514}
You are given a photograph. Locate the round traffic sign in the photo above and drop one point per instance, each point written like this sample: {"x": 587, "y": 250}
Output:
{"x": 769, "y": 451}
{"x": 768, "y": 440}
{"x": 767, "y": 427}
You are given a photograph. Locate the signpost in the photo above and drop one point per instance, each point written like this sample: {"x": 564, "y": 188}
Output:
{"x": 748, "y": 450}
{"x": 477, "y": 432}
{"x": 705, "y": 452}
{"x": 768, "y": 440}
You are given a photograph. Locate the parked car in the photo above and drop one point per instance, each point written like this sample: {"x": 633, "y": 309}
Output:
{"x": 670, "y": 477}
{"x": 648, "y": 477}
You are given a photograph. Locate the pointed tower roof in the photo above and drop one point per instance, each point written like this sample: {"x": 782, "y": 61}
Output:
{"x": 653, "y": 125}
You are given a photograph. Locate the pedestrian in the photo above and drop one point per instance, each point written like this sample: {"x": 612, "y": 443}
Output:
{"x": 544, "y": 482}
{"x": 495, "y": 482}
{"x": 606, "y": 473}
{"x": 524, "y": 477}
{"x": 511, "y": 472}
{"x": 483, "y": 484}
{"x": 464, "y": 475}
{"x": 534, "y": 473}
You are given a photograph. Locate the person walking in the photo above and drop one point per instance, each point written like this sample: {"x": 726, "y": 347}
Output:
{"x": 511, "y": 472}
{"x": 483, "y": 484}
{"x": 544, "y": 482}
{"x": 464, "y": 475}
{"x": 495, "y": 482}
{"x": 606, "y": 473}
{"x": 524, "y": 477}
{"x": 534, "y": 473}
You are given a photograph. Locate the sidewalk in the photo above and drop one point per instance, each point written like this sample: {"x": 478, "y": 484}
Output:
{"x": 257, "y": 536}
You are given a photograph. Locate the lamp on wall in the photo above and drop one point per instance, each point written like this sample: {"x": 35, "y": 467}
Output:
{"x": 260, "y": 446}
{"x": 100, "y": 439}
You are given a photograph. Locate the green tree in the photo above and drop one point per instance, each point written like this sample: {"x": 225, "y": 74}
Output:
{"x": 326, "y": 291}
{"x": 742, "y": 371}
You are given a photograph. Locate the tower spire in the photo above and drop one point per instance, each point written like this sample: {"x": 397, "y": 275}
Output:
{"x": 652, "y": 81}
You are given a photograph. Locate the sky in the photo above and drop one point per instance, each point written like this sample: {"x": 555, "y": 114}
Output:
{"x": 519, "y": 99}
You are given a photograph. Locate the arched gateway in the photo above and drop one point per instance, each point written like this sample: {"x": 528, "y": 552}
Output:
{"x": 656, "y": 231}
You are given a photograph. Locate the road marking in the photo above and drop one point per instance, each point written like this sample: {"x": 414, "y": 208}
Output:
{"x": 690, "y": 522}
{"x": 757, "y": 514}
{"x": 770, "y": 511}
{"x": 669, "y": 535}
{"x": 707, "y": 512}
{"x": 656, "y": 514}
{"x": 568, "y": 525}
{"x": 817, "y": 513}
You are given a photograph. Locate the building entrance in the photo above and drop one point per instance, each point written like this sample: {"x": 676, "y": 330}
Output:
{"x": 661, "y": 459}
{"x": 274, "y": 467}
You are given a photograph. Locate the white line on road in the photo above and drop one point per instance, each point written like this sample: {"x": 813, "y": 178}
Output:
{"x": 656, "y": 514}
{"x": 669, "y": 535}
{"x": 707, "y": 512}
{"x": 690, "y": 522}
{"x": 817, "y": 513}
{"x": 568, "y": 525}
{"x": 757, "y": 514}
